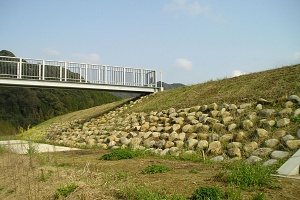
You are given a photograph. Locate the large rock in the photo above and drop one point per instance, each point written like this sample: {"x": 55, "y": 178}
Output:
{"x": 282, "y": 122}
{"x": 217, "y": 159}
{"x": 266, "y": 112}
{"x": 296, "y": 113}
{"x": 202, "y": 144}
{"x": 270, "y": 162}
{"x": 294, "y": 99}
{"x": 253, "y": 159}
{"x": 240, "y": 136}
{"x": 192, "y": 143}
{"x": 234, "y": 152}
{"x": 271, "y": 143}
{"x": 250, "y": 147}
{"x": 215, "y": 148}
{"x": 262, "y": 152}
{"x": 261, "y": 133}
{"x": 293, "y": 144}
{"x": 135, "y": 142}
{"x": 226, "y": 138}
{"x": 279, "y": 154}
{"x": 247, "y": 124}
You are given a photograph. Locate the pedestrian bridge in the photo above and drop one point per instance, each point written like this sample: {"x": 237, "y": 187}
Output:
{"x": 28, "y": 72}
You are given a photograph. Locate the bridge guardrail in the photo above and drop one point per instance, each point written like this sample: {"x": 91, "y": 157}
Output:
{"x": 62, "y": 71}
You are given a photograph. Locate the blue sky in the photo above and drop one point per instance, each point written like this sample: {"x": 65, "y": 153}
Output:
{"x": 191, "y": 41}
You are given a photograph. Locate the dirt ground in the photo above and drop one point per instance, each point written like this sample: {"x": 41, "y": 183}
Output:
{"x": 39, "y": 176}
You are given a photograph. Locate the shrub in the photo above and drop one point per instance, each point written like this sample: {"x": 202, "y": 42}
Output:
{"x": 118, "y": 154}
{"x": 153, "y": 169}
{"x": 207, "y": 193}
{"x": 65, "y": 190}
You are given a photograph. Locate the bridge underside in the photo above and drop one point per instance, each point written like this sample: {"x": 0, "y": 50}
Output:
{"x": 71, "y": 85}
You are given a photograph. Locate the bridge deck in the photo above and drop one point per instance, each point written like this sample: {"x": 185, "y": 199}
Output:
{"x": 25, "y": 72}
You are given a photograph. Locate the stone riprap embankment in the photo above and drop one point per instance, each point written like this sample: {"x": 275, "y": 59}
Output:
{"x": 255, "y": 131}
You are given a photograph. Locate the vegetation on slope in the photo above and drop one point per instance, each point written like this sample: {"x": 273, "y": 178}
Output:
{"x": 270, "y": 84}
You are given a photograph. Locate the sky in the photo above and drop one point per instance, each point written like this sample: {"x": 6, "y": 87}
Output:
{"x": 190, "y": 41}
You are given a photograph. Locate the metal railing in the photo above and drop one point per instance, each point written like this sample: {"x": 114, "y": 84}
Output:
{"x": 50, "y": 70}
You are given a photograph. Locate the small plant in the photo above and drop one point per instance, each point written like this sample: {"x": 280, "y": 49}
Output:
{"x": 136, "y": 193}
{"x": 259, "y": 196}
{"x": 118, "y": 154}
{"x": 65, "y": 190}
{"x": 207, "y": 193}
{"x": 32, "y": 148}
{"x": 244, "y": 175}
{"x": 45, "y": 176}
{"x": 153, "y": 169}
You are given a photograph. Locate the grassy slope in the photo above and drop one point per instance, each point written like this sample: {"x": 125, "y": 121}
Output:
{"x": 86, "y": 114}
{"x": 270, "y": 84}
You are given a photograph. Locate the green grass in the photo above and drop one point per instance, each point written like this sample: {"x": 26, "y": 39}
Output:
{"x": 244, "y": 175}
{"x": 65, "y": 190}
{"x": 207, "y": 193}
{"x": 154, "y": 169}
{"x": 133, "y": 192}
{"x": 270, "y": 84}
{"x": 118, "y": 154}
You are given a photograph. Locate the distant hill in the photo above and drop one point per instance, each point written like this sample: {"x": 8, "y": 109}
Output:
{"x": 21, "y": 107}
{"x": 167, "y": 86}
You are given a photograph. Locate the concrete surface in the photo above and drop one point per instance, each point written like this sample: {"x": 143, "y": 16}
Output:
{"x": 292, "y": 166}
{"x": 22, "y": 146}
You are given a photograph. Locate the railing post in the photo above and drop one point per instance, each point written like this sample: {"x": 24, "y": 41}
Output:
{"x": 40, "y": 71}
{"x": 43, "y": 72}
{"x": 60, "y": 73}
{"x": 66, "y": 71}
{"x": 142, "y": 77}
{"x": 86, "y": 73}
{"x": 19, "y": 69}
{"x": 105, "y": 74}
{"x": 124, "y": 74}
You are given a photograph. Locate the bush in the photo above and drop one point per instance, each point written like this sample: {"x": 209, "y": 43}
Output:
{"x": 153, "y": 169}
{"x": 118, "y": 154}
{"x": 207, "y": 193}
{"x": 65, "y": 190}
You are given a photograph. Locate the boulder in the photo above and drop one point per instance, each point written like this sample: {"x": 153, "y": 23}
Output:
{"x": 261, "y": 133}
{"x": 247, "y": 124}
{"x": 279, "y": 134}
{"x": 179, "y": 143}
{"x": 226, "y": 138}
{"x": 217, "y": 159}
{"x": 231, "y": 127}
{"x": 270, "y": 162}
{"x": 192, "y": 143}
{"x": 240, "y": 136}
{"x": 253, "y": 159}
{"x": 271, "y": 143}
{"x": 250, "y": 147}
{"x": 215, "y": 148}
{"x": 202, "y": 144}
{"x": 293, "y": 144}
{"x": 294, "y": 99}
{"x": 266, "y": 112}
{"x": 296, "y": 113}
{"x": 234, "y": 152}
{"x": 282, "y": 122}
{"x": 262, "y": 152}
{"x": 279, "y": 154}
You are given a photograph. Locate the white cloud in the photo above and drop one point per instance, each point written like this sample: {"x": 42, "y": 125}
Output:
{"x": 237, "y": 73}
{"x": 52, "y": 52}
{"x": 187, "y": 6}
{"x": 184, "y": 64}
{"x": 92, "y": 58}
{"x": 296, "y": 56}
